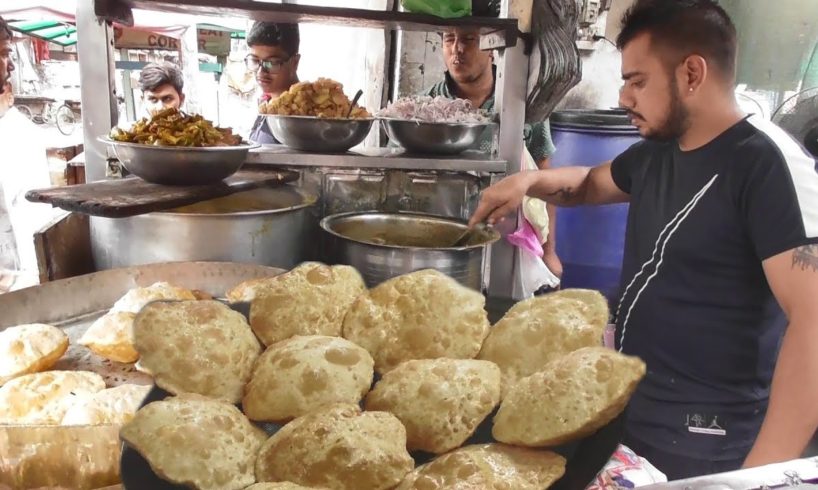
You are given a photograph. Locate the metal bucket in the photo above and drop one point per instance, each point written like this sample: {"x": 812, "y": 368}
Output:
{"x": 270, "y": 226}
{"x": 385, "y": 245}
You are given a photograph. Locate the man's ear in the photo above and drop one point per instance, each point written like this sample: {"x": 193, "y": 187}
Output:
{"x": 296, "y": 60}
{"x": 181, "y": 100}
{"x": 694, "y": 72}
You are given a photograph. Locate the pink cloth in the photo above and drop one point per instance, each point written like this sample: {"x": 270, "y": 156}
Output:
{"x": 526, "y": 238}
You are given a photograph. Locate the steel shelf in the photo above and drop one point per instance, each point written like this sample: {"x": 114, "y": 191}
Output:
{"x": 383, "y": 158}
{"x": 499, "y": 32}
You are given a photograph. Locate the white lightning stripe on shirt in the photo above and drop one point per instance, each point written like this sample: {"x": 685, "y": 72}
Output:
{"x": 659, "y": 242}
{"x": 689, "y": 208}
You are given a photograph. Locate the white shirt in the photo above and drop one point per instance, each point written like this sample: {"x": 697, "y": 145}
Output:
{"x": 23, "y": 166}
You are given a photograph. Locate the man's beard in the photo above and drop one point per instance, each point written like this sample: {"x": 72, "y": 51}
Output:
{"x": 677, "y": 121}
{"x": 471, "y": 77}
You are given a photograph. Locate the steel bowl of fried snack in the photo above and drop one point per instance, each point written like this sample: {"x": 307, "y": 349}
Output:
{"x": 174, "y": 148}
{"x": 318, "y": 117}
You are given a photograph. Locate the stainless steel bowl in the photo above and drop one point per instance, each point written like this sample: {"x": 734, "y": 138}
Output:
{"x": 438, "y": 138}
{"x": 318, "y": 135}
{"x": 386, "y": 245}
{"x": 180, "y": 165}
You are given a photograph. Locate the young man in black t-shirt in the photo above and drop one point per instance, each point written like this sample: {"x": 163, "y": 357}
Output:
{"x": 720, "y": 275}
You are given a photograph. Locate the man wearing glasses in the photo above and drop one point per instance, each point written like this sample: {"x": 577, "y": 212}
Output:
{"x": 273, "y": 57}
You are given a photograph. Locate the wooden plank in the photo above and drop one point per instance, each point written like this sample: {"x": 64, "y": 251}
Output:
{"x": 294, "y": 13}
{"x": 120, "y": 198}
{"x": 63, "y": 248}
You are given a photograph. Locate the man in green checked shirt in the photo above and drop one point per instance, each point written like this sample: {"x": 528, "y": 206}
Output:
{"x": 470, "y": 75}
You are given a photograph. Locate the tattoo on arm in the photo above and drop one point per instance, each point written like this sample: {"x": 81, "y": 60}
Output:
{"x": 564, "y": 195}
{"x": 805, "y": 257}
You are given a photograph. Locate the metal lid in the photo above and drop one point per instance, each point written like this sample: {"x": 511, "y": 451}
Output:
{"x": 602, "y": 119}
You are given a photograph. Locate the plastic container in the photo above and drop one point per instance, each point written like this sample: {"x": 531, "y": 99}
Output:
{"x": 591, "y": 239}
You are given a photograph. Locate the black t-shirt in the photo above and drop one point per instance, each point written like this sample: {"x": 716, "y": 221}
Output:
{"x": 696, "y": 305}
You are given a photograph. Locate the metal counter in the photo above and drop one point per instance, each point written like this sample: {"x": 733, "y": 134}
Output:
{"x": 792, "y": 474}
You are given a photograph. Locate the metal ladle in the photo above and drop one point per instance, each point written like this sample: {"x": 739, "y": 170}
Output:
{"x": 463, "y": 239}
{"x": 354, "y": 101}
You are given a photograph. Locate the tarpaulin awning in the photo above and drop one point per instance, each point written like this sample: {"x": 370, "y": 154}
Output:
{"x": 212, "y": 39}
{"x": 37, "y": 17}
{"x": 60, "y": 33}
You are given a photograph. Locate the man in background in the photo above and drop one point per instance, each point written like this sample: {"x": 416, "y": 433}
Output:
{"x": 8, "y": 248}
{"x": 274, "y": 58}
{"x": 162, "y": 87}
{"x": 23, "y": 166}
{"x": 471, "y": 75}
{"x": 6, "y": 64}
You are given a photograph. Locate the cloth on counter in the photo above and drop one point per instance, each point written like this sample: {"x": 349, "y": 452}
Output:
{"x": 626, "y": 469}
{"x": 679, "y": 467}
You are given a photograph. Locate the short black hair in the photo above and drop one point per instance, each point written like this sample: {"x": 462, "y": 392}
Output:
{"x": 687, "y": 27}
{"x": 5, "y": 30}
{"x": 272, "y": 34}
{"x": 154, "y": 75}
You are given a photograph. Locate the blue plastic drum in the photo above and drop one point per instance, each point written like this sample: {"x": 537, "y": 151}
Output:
{"x": 591, "y": 239}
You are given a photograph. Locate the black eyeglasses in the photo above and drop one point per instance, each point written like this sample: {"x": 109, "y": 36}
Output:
{"x": 270, "y": 66}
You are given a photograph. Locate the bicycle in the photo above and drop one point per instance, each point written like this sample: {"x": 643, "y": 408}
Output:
{"x": 61, "y": 114}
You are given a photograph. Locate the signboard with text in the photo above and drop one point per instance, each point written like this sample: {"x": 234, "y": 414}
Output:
{"x": 212, "y": 42}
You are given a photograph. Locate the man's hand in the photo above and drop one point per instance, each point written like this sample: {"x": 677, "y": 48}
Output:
{"x": 792, "y": 415}
{"x": 566, "y": 186}
{"x": 503, "y": 198}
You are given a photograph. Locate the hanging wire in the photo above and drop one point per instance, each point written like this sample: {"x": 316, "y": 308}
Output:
{"x": 790, "y": 98}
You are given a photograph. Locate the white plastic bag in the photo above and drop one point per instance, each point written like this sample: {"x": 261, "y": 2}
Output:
{"x": 528, "y": 239}
{"x": 533, "y": 273}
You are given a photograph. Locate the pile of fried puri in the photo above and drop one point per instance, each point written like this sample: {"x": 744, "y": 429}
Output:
{"x": 32, "y": 392}
{"x": 315, "y": 342}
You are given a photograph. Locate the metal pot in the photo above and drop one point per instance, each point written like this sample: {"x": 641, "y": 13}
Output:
{"x": 385, "y": 245}
{"x": 270, "y": 226}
